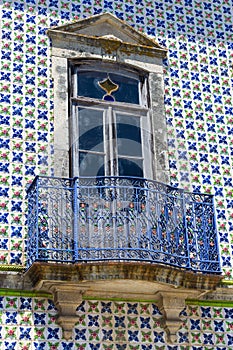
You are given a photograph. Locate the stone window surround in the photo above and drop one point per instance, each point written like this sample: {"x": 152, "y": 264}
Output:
{"x": 66, "y": 49}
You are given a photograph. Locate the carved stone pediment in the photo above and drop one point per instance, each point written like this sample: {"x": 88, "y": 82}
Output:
{"x": 108, "y": 32}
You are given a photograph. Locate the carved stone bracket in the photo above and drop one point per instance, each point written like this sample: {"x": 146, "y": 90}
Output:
{"x": 170, "y": 305}
{"x": 67, "y": 297}
{"x": 168, "y": 287}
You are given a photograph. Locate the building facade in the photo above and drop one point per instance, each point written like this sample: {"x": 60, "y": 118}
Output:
{"x": 116, "y": 192}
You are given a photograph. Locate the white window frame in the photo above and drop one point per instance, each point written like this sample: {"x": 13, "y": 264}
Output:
{"x": 142, "y": 110}
{"x": 110, "y": 109}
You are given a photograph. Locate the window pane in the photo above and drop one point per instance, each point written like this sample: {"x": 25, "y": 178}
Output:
{"x": 88, "y": 86}
{"x": 128, "y": 135}
{"x": 91, "y": 164}
{"x": 130, "y": 167}
{"x": 128, "y": 89}
{"x": 90, "y": 124}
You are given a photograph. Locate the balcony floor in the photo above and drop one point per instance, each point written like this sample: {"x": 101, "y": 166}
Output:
{"x": 131, "y": 279}
{"x": 167, "y": 286}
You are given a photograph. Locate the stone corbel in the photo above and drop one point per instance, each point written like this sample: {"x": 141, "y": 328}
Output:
{"x": 66, "y": 297}
{"x": 170, "y": 305}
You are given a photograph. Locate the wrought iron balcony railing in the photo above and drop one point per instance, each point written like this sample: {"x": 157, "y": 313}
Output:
{"x": 120, "y": 219}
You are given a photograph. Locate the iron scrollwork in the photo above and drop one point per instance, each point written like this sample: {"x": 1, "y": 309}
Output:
{"x": 116, "y": 218}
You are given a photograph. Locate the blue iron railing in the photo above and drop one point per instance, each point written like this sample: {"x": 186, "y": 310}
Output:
{"x": 120, "y": 219}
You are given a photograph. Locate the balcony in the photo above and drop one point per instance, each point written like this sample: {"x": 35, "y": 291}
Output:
{"x": 120, "y": 219}
{"x": 113, "y": 237}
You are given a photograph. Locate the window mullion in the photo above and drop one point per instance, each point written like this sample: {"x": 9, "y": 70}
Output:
{"x": 74, "y": 140}
{"x": 112, "y": 142}
{"x": 107, "y": 142}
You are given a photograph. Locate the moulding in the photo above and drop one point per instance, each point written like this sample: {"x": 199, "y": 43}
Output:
{"x": 19, "y": 268}
{"x": 32, "y": 294}
{"x": 109, "y": 45}
{"x": 227, "y": 282}
{"x": 24, "y": 293}
{"x": 211, "y": 303}
{"x": 95, "y": 272}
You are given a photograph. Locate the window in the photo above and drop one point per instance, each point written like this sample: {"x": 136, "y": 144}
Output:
{"x": 110, "y": 121}
{"x": 109, "y": 109}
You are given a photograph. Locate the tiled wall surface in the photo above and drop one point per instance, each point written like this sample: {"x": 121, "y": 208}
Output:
{"x": 29, "y": 324}
{"x": 198, "y": 99}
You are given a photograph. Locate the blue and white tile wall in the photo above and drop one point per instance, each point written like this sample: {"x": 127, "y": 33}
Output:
{"x": 199, "y": 110}
{"x": 29, "y": 324}
{"x": 198, "y": 98}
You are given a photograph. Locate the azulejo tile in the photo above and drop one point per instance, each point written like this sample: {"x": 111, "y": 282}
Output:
{"x": 132, "y": 322}
{"x": 107, "y": 335}
{"x": 80, "y": 334}
{"x": 144, "y": 322}
{"x": 39, "y": 333}
{"x": 196, "y": 338}
{"x": 10, "y": 345}
{"x": 80, "y": 346}
{"x": 10, "y": 332}
{"x": 229, "y": 325}
{"x": 146, "y": 337}
{"x": 208, "y": 338}
{"x": 93, "y": 307}
{"x": 25, "y": 333}
{"x": 106, "y": 307}
{"x": 67, "y": 346}
{"x": 39, "y": 318}
{"x": 220, "y": 339}
{"x": 159, "y": 337}
{"x": 93, "y": 321}
{"x": 39, "y": 345}
{"x": 81, "y": 321}
{"x": 228, "y": 313}
{"x": 195, "y": 324}
{"x": 120, "y": 335}
{"x": 119, "y": 321}
{"x": 51, "y": 317}
{"x": 132, "y": 309}
{"x": 53, "y": 345}
{"x": 53, "y": 333}
{"x": 24, "y": 345}
{"x": 25, "y": 318}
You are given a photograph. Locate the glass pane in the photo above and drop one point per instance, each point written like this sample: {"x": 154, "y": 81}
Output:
{"x": 128, "y": 89}
{"x": 130, "y": 167}
{"x": 90, "y": 124}
{"x": 128, "y": 135}
{"x": 88, "y": 86}
{"x": 91, "y": 164}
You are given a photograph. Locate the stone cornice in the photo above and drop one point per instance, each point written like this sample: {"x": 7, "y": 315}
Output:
{"x": 114, "y": 271}
{"x": 109, "y": 45}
